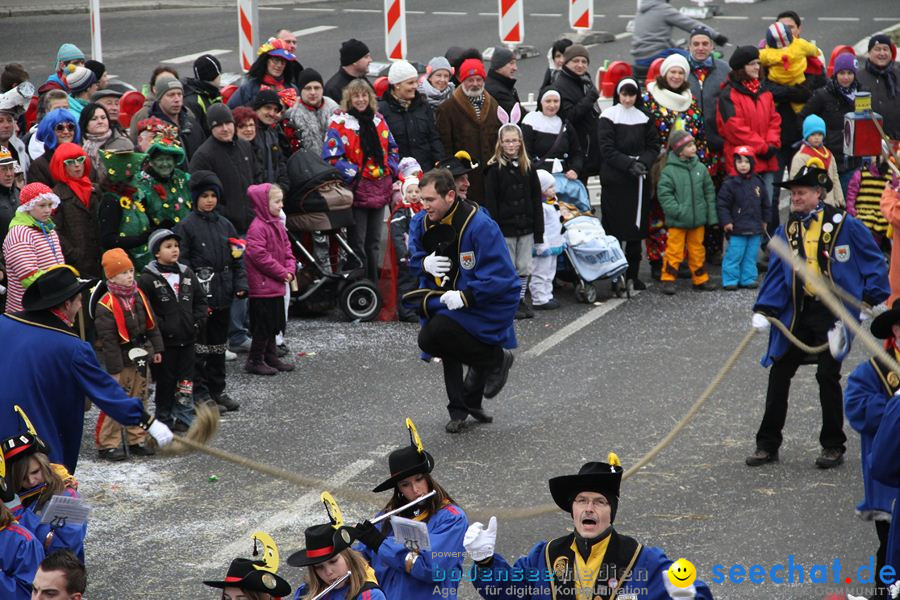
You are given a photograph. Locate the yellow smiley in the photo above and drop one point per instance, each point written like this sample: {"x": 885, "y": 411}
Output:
{"x": 682, "y": 573}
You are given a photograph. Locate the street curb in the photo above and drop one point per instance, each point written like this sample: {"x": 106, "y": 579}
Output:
{"x": 28, "y": 11}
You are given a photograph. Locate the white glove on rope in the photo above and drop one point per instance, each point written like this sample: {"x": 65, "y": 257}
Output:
{"x": 894, "y": 590}
{"x": 453, "y": 299}
{"x": 161, "y": 433}
{"x": 436, "y": 265}
{"x": 760, "y": 322}
{"x": 838, "y": 344}
{"x": 479, "y": 542}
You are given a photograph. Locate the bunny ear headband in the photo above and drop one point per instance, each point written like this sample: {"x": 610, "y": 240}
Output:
{"x": 510, "y": 118}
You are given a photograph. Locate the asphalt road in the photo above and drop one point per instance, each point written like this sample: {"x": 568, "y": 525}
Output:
{"x": 620, "y": 383}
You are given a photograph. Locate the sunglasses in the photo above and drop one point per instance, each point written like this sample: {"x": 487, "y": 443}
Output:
{"x": 65, "y": 127}
{"x": 74, "y": 162}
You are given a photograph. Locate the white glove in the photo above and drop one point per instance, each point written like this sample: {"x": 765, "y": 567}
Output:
{"x": 479, "y": 542}
{"x": 837, "y": 341}
{"x": 894, "y": 590}
{"x": 760, "y": 322}
{"x": 865, "y": 314}
{"x": 452, "y": 299}
{"x": 436, "y": 265}
{"x": 161, "y": 433}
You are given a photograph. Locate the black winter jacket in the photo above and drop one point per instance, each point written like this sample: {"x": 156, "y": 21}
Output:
{"x": 513, "y": 200}
{"x": 503, "y": 89}
{"x": 271, "y": 148}
{"x": 235, "y": 165}
{"x": 783, "y": 96}
{"x": 413, "y": 129}
{"x": 831, "y": 105}
{"x": 744, "y": 202}
{"x": 334, "y": 87}
{"x": 189, "y": 130}
{"x": 577, "y": 96}
{"x": 180, "y": 316}
{"x": 198, "y": 97}
{"x": 206, "y": 250}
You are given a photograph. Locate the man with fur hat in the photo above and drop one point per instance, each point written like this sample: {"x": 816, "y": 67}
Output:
{"x": 870, "y": 388}
{"x": 409, "y": 116}
{"x": 595, "y": 561}
{"x": 501, "y": 81}
{"x": 355, "y": 60}
{"x": 840, "y": 249}
{"x": 49, "y": 372}
{"x": 468, "y": 121}
{"x": 202, "y": 90}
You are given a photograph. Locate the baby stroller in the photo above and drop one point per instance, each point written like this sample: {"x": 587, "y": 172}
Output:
{"x": 592, "y": 256}
{"x": 330, "y": 273}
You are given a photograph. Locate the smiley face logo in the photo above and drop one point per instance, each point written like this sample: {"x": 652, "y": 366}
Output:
{"x": 682, "y": 573}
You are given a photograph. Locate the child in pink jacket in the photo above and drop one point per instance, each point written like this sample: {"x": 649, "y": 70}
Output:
{"x": 270, "y": 264}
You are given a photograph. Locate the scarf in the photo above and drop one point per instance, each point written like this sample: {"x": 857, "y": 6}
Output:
{"x": 82, "y": 186}
{"x": 126, "y": 294}
{"x": 805, "y": 218}
{"x": 368, "y": 136}
{"x": 752, "y": 85}
{"x": 890, "y": 77}
{"x": 434, "y": 96}
{"x": 702, "y": 64}
{"x": 476, "y": 103}
{"x": 92, "y": 143}
{"x": 676, "y": 101}
{"x": 847, "y": 92}
{"x": 269, "y": 82}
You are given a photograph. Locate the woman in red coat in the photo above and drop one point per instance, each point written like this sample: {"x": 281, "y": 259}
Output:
{"x": 746, "y": 115}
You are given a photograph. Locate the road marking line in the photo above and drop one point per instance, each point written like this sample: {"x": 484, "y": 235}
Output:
{"x": 295, "y": 515}
{"x": 625, "y": 16}
{"x": 547, "y": 15}
{"x": 449, "y": 13}
{"x": 178, "y": 60}
{"x": 306, "y": 9}
{"x": 767, "y": 19}
{"x": 361, "y": 10}
{"x": 271, "y": 8}
{"x": 573, "y": 327}
{"x": 316, "y": 29}
{"x": 416, "y": 12}
{"x": 623, "y": 35}
{"x": 837, "y": 18}
{"x": 732, "y": 17}
{"x": 885, "y": 19}
{"x": 488, "y": 14}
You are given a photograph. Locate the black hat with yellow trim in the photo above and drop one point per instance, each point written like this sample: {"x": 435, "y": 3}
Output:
{"x": 256, "y": 575}
{"x": 812, "y": 174}
{"x": 881, "y": 325}
{"x": 325, "y": 541}
{"x": 408, "y": 461}
{"x": 58, "y": 284}
{"x": 25, "y": 443}
{"x": 600, "y": 477}
{"x": 7, "y": 493}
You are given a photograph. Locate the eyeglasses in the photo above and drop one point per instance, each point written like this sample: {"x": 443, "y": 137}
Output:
{"x": 65, "y": 127}
{"x": 74, "y": 162}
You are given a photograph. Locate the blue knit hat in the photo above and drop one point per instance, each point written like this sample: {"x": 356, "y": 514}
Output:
{"x": 813, "y": 124}
{"x": 69, "y": 52}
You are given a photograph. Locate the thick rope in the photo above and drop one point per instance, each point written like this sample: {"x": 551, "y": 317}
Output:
{"x": 794, "y": 339}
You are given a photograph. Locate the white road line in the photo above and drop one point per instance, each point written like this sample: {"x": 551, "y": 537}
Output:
{"x": 623, "y": 35}
{"x": 884, "y": 19}
{"x": 487, "y": 14}
{"x": 547, "y": 15}
{"x": 361, "y": 10}
{"x": 309, "y": 9}
{"x": 189, "y": 58}
{"x": 767, "y": 19}
{"x": 449, "y": 13}
{"x": 573, "y": 327}
{"x": 837, "y": 18}
{"x": 416, "y": 12}
{"x": 732, "y": 17}
{"x": 271, "y": 8}
{"x": 625, "y": 16}
{"x": 316, "y": 29}
{"x": 304, "y": 511}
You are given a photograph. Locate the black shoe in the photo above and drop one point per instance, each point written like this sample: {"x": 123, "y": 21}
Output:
{"x": 141, "y": 450}
{"x": 655, "y": 270}
{"x": 409, "y": 318}
{"x": 520, "y": 313}
{"x": 525, "y": 310}
{"x": 668, "y": 288}
{"x": 455, "y": 426}
{"x": 179, "y": 427}
{"x": 830, "y": 458}
{"x": 551, "y": 304}
{"x": 637, "y": 285}
{"x": 684, "y": 272}
{"x": 227, "y": 402}
{"x": 474, "y": 380}
{"x": 706, "y": 286}
{"x": 750, "y": 286}
{"x": 730, "y": 288}
{"x": 496, "y": 379}
{"x": 111, "y": 454}
{"x": 761, "y": 457}
{"x": 212, "y": 404}
{"x": 479, "y": 415}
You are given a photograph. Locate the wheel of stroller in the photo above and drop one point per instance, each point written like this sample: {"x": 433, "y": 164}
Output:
{"x": 360, "y": 300}
{"x": 590, "y": 293}
{"x": 581, "y": 291}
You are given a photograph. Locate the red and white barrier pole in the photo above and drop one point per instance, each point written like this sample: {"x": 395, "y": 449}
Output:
{"x": 248, "y": 31}
{"x": 512, "y": 22}
{"x": 581, "y": 20}
{"x": 395, "y": 46}
{"x": 96, "y": 40}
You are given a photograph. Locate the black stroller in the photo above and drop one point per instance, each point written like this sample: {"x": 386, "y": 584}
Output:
{"x": 329, "y": 273}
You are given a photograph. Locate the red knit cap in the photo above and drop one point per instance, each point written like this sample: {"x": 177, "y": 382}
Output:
{"x": 471, "y": 67}
{"x": 33, "y": 193}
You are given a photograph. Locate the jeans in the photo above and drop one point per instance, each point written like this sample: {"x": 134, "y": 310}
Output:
{"x": 739, "y": 263}
{"x": 573, "y": 191}
{"x": 365, "y": 237}
{"x": 237, "y": 328}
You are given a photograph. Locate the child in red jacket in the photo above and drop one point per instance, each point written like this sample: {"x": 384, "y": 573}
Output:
{"x": 270, "y": 264}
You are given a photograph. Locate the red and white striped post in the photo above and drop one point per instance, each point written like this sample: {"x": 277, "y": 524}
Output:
{"x": 395, "y": 46}
{"x": 248, "y": 31}
{"x": 96, "y": 39}
{"x": 512, "y": 22}
{"x": 581, "y": 14}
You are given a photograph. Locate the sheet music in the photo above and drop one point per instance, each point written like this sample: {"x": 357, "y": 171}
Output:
{"x": 412, "y": 534}
{"x": 65, "y": 510}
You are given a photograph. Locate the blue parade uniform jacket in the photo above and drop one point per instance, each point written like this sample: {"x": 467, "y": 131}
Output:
{"x": 446, "y": 530}
{"x": 885, "y": 468}
{"x": 530, "y": 578}
{"x": 482, "y": 270}
{"x": 867, "y": 393}
{"x": 49, "y": 372}
{"x": 851, "y": 260}
{"x": 65, "y": 537}
{"x": 20, "y": 557}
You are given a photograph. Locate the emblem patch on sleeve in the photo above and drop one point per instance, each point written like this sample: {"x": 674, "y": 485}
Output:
{"x": 467, "y": 260}
{"x": 842, "y": 253}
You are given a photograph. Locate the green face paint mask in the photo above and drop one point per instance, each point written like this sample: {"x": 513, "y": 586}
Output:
{"x": 163, "y": 164}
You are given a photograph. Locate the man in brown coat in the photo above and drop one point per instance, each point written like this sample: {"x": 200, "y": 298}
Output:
{"x": 468, "y": 121}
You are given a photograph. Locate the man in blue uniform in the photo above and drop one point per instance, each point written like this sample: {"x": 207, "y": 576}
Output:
{"x": 48, "y": 371}
{"x": 840, "y": 249}
{"x": 885, "y": 468}
{"x": 467, "y": 296}
{"x": 869, "y": 389}
{"x": 595, "y": 561}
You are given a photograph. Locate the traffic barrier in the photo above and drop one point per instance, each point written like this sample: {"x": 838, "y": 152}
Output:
{"x": 581, "y": 20}
{"x": 248, "y": 31}
{"x": 395, "y": 45}
{"x": 129, "y": 104}
{"x": 96, "y": 38}
{"x": 512, "y": 22}
{"x": 227, "y": 92}
{"x": 653, "y": 71}
{"x": 612, "y": 76}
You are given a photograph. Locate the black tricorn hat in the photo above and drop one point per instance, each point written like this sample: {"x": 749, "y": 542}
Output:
{"x": 460, "y": 164}
{"x": 810, "y": 176}
{"x": 408, "y": 461}
{"x": 23, "y": 444}
{"x": 881, "y": 325}
{"x": 53, "y": 288}
{"x": 323, "y": 542}
{"x": 603, "y": 478}
{"x": 248, "y": 575}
